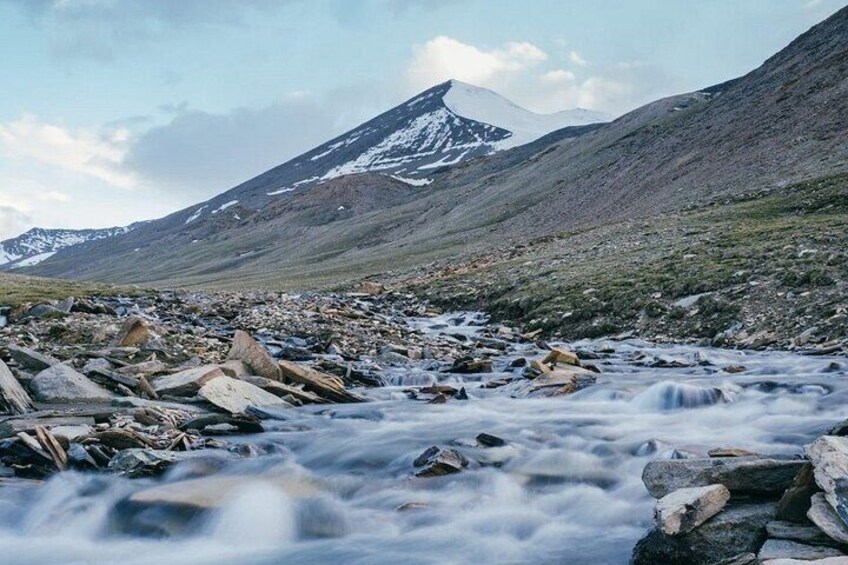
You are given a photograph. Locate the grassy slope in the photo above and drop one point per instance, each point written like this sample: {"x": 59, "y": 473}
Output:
{"x": 16, "y": 289}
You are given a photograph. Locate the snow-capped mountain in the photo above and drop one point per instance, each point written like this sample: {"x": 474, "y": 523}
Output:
{"x": 38, "y": 244}
{"x": 444, "y": 125}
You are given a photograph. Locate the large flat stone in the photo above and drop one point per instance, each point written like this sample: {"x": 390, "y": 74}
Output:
{"x": 254, "y": 355}
{"x": 685, "y": 509}
{"x": 829, "y": 456}
{"x": 30, "y": 359}
{"x": 798, "y": 532}
{"x": 235, "y": 396}
{"x": 787, "y": 549}
{"x": 61, "y": 383}
{"x": 822, "y": 514}
{"x": 739, "y": 529}
{"x": 751, "y": 475}
{"x": 326, "y": 386}
{"x": 186, "y": 383}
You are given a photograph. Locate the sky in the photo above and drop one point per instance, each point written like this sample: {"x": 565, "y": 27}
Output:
{"x": 114, "y": 111}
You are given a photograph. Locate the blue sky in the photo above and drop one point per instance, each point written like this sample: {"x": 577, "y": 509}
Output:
{"x": 119, "y": 110}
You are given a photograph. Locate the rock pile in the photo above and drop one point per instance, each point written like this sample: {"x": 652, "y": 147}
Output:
{"x": 750, "y": 509}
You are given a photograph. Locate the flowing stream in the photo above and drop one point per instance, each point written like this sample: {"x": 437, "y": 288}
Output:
{"x": 565, "y": 488}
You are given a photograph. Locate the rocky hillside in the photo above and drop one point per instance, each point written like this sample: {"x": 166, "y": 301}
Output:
{"x": 38, "y": 244}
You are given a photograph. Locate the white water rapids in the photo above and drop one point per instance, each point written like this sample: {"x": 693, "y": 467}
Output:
{"x": 566, "y": 488}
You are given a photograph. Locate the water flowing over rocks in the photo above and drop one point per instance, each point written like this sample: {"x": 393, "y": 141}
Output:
{"x": 266, "y": 427}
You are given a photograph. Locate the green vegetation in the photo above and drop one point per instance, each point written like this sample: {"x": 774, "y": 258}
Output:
{"x": 16, "y": 289}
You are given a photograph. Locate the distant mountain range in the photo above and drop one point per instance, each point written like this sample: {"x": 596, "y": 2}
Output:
{"x": 458, "y": 169}
{"x": 38, "y": 244}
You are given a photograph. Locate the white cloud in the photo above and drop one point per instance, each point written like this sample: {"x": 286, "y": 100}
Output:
{"x": 558, "y": 76}
{"x": 443, "y": 58}
{"x": 89, "y": 151}
{"x": 13, "y": 222}
{"x": 577, "y": 59}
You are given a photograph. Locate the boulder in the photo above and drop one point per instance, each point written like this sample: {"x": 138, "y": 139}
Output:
{"x": 822, "y": 514}
{"x": 31, "y": 359}
{"x": 235, "y": 396}
{"x": 60, "y": 383}
{"x": 133, "y": 333}
{"x": 750, "y": 475}
{"x": 187, "y": 382}
{"x": 687, "y": 508}
{"x": 829, "y": 457}
{"x": 135, "y": 463}
{"x": 438, "y": 462}
{"x": 739, "y": 529}
{"x": 787, "y": 549}
{"x": 561, "y": 356}
{"x": 797, "y": 532}
{"x": 254, "y": 355}
{"x": 13, "y": 398}
{"x": 235, "y": 368}
{"x": 327, "y": 386}
{"x": 795, "y": 501}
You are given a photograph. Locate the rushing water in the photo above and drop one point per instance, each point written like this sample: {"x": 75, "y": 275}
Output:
{"x": 566, "y": 488}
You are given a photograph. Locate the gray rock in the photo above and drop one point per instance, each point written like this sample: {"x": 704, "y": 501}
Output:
{"x": 188, "y": 382}
{"x": 798, "y": 532}
{"x": 254, "y": 355}
{"x": 13, "y": 398}
{"x": 685, "y": 509}
{"x": 134, "y": 333}
{"x": 795, "y": 501}
{"x": 438, "y": 462}
{"x": 741, "y": 559}
{"x": 822, "y": 514}
{"x": 31, "y": 359}
{"x": 752, "y": 475}
{"x": 740, "y": 528}
{"x": 787, "y": 549}
{"x": 236, "y": 396}
{"x": 60, "y": 383}
{"x": 829, "y": 456}
{"x": 149, "y": 462}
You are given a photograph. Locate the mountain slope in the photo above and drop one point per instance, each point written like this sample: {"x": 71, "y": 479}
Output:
{"x": 38, "y": 244}
{"x": 782, "y": 123}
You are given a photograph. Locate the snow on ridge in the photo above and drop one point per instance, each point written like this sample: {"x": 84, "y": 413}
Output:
{"x": 412, "y": 182}
{"x": 196, "y": 214}
{"x": 488, "y": 107}
{"x": 224, "y": 206}
{"x": 34, "y": 260}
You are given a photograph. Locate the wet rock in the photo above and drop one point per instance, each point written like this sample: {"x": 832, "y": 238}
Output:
{"x": 14, "y": 426}
{"x": 467, "y": 365}
{"x": 30, "y": 359}
{"x": 13, "y": 398}
{"x": 797, "y": 532}
{"x": 829, "y": 457}
{"x": 561, "y": 357}
{"x": 787, "y": 549}
{"x": 79, "y": 458}
{"x": 236, "y": 396}
{"x": 133, "y": 333}
{"x": 687, "y": 508}
{"x": 135, "y": 463}
{"x": 731, "y": 452}
{"x": 120, "y": 439}
{"x": 558, "y": 383}
{"x": 822, "y": 514}
{"x": 186, "y": 383}
{"x": 60, "y": 383}
{"x": 488, "y": 440}
{"x": 243, "y": 423}
{"x": 751, "y": 475}
{"x": 256, "y": 357}
{"x": 739, "y": 529}
{"x": 324, "y": 385}
{"x": 438, "y": 462}
{"x": 289, "y": 393}
{"x": 795, "y": 501}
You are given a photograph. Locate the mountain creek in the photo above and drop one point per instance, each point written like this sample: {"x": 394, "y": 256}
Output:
{"x": 397, "y": 433}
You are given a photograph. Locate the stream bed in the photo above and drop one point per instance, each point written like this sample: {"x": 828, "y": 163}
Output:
{"x": 336, "y": 483}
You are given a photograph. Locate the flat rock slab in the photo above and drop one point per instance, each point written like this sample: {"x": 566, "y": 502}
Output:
{"x": 150, "y": 462}
{"x": 188, "y": 382}
{"x": 133, "y": 333}
{"x": 30, "y": 359}
{"x": 798, "y": 532}
{"x": 13, "y": 427}
{"x": 61, "y": 383}
{"x": 829, "y": 456}
{"x": 685, "y": 509}
{"x": 738, "y": 529}
{"x": 751, "y": 475}
{"x": 236, "y": 396}
{"x": 438, "y": 462}
{"x": 326, "y": 386}
{"x": 787, "y": 549}
{"x": 254, "y": 355}
{"x": 13, "y": 398}
{"x": 825, "y": 561}
{"x": 822, "y": 514}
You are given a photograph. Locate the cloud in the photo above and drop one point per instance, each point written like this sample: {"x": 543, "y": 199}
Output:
{"x": 95, "y": 152}
{"x": 13, "y": 222}
{"x": 443, "y": 58}
{"x": 575, "y": 58}
{"x": 103, "y": 29}
{"x": 200, "y": 154}
{"x": 557, "y": 76}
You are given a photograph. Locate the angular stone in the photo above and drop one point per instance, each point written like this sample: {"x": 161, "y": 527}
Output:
{"x": 149, "y": 462}
{"x": 439, "y": 462}
{"x": 60, "y": 383}
{"x": 741, "y": 559}
{"x": 795, "y": 501}
{"x": 787, "y": 549}
{"x": 186, "y": 383}
{"x": 557, "y": 356}
{"x": 327, "y": 386}
{"x": 829, "y": 456}
{"x": 468, "y": 365}
{"x": 133, "y": 333}
{"x": 12, "y": 427}
{"x": 561, "y": 382}
{"x": 738, "y": 529}
{"x": 283, "y": 390}
{"x": 235, "y": 396}
{"x": 13, "y": 398}
{"x": 797, "y": 532}
{"x": 751, "y": 475}
{"x": 822, "y": 514}
{"x": 30, "y": 359}
{"x": 235, "y": 368}
{"x": 685, "y": 509}
{"x": 256, "y": 357}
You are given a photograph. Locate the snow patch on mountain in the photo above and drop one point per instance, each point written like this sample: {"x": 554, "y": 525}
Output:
{"x": 39, "y": 244}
